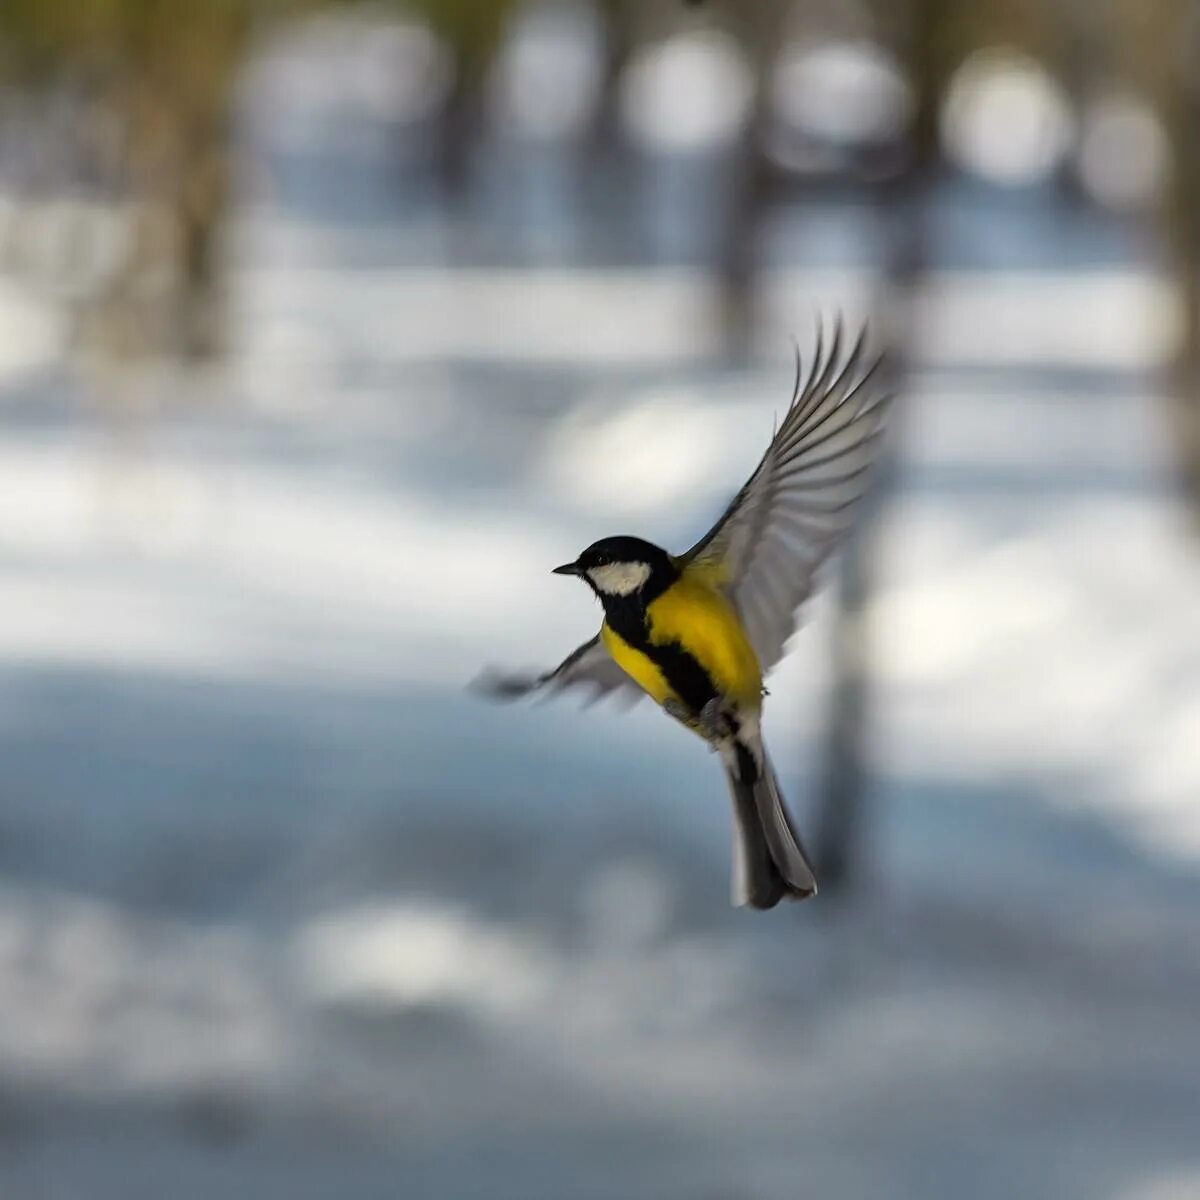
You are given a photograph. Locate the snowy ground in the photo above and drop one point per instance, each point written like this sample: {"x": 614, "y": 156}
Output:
{"x": 286, "y": 912}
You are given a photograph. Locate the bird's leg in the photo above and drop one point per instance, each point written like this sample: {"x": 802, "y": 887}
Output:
{"x": 714, "y": 723}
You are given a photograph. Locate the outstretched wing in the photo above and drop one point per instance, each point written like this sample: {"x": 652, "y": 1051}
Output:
{"x": 766, "y": 548}
{"x": 589, "y": 669}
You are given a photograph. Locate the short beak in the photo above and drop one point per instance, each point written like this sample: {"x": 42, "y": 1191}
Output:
{"x": 568, "y": 569}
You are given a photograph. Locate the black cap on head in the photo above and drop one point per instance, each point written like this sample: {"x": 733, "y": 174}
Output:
{"x": 649, "y": 569}
{"x": 621, "y": 549}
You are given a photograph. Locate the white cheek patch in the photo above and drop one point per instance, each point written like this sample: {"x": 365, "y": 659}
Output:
{"x": 619, "y": 579}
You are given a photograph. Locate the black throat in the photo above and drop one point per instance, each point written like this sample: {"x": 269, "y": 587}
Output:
{"x": 626, "y": 615}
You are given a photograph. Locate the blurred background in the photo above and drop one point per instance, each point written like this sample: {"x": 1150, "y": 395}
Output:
{"x": 326, "y": 329}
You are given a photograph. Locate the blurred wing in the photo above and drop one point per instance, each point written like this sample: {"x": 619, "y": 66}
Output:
{"x": 766, "y": 549}
{"x": 590, "y": 668}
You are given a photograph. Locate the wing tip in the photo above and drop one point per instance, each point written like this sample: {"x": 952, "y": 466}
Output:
{"x": 503, "y": 686}
{"x": 831, "y": 365}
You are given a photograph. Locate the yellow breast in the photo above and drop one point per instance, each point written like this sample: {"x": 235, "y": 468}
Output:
{"x": 642, "y": 669}
{"x": 699, "y": 618}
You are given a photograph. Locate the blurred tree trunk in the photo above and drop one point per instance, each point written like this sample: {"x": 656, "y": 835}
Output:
{"x": 1180, "y": 107}
{"x": 473, "y": 31}
{"x": 172, "y": 79}
{"x": 151, "y": 83}
{"x": 620, "y": 37}
{"x": 179, "y": 157}
{"x": 1158, "y": 44}
{"x": 760, "y": 28}
{"x": 460, "y": 120}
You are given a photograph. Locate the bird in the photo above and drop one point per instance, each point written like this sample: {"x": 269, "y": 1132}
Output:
{"x": 698, "y": 631}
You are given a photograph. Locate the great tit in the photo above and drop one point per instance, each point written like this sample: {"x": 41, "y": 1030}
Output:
{"x": 697, "y": 631}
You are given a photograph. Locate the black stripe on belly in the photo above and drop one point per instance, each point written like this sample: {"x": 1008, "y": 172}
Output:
{"x": 690, "y": 681}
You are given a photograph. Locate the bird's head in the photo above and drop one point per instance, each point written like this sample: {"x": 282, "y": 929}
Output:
{"x": 622, "y": 567}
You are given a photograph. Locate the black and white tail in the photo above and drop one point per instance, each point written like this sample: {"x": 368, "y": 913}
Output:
{"x": 769, "y": 862}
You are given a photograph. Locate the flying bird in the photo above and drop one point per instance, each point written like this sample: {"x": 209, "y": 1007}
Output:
{"x": 698, "y": 631}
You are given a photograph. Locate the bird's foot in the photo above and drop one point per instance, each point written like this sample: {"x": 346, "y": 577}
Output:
{"x": 714, "y": 723}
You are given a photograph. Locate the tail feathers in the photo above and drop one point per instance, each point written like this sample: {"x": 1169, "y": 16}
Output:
{"x": 769, "y": 862}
